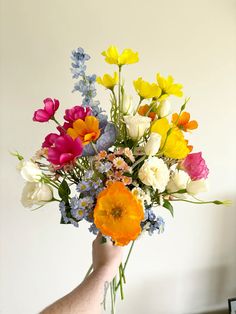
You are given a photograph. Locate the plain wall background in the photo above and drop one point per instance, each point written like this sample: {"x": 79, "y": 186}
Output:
{"x": 191, "y": 268}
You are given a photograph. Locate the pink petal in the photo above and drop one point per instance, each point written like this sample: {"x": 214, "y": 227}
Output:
{"x": 41, "y": 115}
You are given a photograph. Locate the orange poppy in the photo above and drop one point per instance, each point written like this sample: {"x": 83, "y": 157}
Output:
{"x": 87, "y": 130}
{"x": 143, "y": 111}
{"x": 183, "y": 122}
{"x": 118, "y": 214}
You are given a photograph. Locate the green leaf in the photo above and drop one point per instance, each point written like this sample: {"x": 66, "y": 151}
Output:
{"x": 168, "y": 205}
{"x": 103, "y": 240}
{"x": 64, "y": 190}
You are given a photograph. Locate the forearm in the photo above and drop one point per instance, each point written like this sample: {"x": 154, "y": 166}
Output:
{"x": 86, "y": 298}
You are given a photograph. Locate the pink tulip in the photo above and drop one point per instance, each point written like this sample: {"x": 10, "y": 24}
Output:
{"x": 50, "y": 107}
{"x": 77, "y": 112}
{"x": 49, "y": 140}
{"x": 195, "y": 166}
{"x": 64, "y": 150}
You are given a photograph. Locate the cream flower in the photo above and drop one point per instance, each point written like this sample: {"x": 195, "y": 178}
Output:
{"x": 153, "y": 144}
{"x": 141, "y": 195}
{"x": 36, "y": 193}
{"x": 137, "y": 125}
{"x": 164, "y": 109}
{"x": 198, "y": 186}
{"x": 30, "y": 171}
{"x": 128, "y": 107}
{"x": 154, "y": 172}
{"x": 178, "y": 181}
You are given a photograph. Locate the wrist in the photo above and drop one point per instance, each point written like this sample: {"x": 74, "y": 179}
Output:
{"x": 104, "y": 272}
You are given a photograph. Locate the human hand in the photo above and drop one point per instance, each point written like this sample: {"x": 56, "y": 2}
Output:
{"x": 106, "y": 257}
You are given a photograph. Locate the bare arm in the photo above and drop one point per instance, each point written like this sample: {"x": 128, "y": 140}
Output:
{"x": 88, "y": 296}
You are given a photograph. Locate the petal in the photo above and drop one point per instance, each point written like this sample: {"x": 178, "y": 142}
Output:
{"x": 184, "y": 118}
{"x": 41, "y": 116}
{"x": 192, "y": 125}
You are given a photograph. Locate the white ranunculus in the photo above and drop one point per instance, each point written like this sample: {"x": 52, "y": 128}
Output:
{"x": 198, "y": 186}
{"x": 137, "y": 125}
{"x": 36, "y": 193}
{"x": 128, "y": 107}
{"x": 164, "y": 108}
{"x": 154, "y": 172}
{"x": 153, "y": 144}
{"x": 178, "y": 181}
{"x": 30, "y": 171}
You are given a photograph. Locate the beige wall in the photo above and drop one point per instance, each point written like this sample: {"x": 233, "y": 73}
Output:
{"x": 191, "y": 268}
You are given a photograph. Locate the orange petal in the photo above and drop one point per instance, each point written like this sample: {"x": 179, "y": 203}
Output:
{"x": 184, "y": 118}
{"x": 174, "y": 117}
{"x": 192, "y": 125}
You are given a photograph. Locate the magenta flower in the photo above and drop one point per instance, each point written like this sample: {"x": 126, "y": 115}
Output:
{"x": 195, "y": 166}
{"x": 77, "y": 112}
{"x": 64, "y": 150}
{"x": 50, "y": 107}
{"x": 49, "y": 140}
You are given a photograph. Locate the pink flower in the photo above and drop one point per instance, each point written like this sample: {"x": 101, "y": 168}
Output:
{"x": 195, "y": 166}
{"x": 77, "y": 112}
{"x": 50, "y": 107}
{"x": 49, "y": 140}
{"x": 65, "y": 150}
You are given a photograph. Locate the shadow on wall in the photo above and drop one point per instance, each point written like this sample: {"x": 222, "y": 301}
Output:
{"x": 192, "y": 292}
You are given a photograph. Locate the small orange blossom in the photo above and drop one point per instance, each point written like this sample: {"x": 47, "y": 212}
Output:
{"x": 183, "y": 122}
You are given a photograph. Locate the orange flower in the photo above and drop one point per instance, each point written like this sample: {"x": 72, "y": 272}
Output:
{"x": 87, "y": 130}
{"x": 183, "y": 122}
{"x": 143, "y": 111}
{"x": 118, "y": 214}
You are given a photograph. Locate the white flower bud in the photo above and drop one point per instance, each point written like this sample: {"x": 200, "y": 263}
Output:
{"x": 198, "y": 186}
{"x": 30, "y": 171}
{"x": 36, "y": 193}
{"x": 137, "y": 125}
{"x": 164, "y": 108}
{"x": 127, "y": 104}
{"x": 153, "y": 144}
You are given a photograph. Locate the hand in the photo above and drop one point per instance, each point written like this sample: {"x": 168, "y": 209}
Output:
{"x": 106, "y": 256}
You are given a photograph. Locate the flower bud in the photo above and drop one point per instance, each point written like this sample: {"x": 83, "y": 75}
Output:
{"x": 164, "y": 109}
{"x": 153, "y": 144}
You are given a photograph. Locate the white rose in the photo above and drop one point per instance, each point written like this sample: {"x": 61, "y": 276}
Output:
{"x": 36, "y": 193}
{"x": 198, "y": 186}
{"x": 178, "y": 181}
{"x": 30, "y": 171}
{"x": 127, "y": 104}
{"x": 153, "y": 144}
{"x": 154, "y": 172}
{"x": 164, "y": 108}
{"x": 137, "y": 125}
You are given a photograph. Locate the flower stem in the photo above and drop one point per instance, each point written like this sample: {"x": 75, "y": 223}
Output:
{"x": 216, "y": 202}
{"x": 121, "y": 284}
{"x": 126, "y": 261}
{"x": 112, "y": 299}
{"x": 89, "y": 271}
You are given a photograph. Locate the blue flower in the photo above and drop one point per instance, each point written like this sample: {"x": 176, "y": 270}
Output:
{"x": 62, "y": 208}
{"x": 156, "y": 225}
{"x": 104, "y": 167}
{"x": 89, "y": 174}
{"x": 78, "y": 213}
{"x": 93, "y": 229}
{"x": 83, "y": 186}
{"x": 86, "y": 202}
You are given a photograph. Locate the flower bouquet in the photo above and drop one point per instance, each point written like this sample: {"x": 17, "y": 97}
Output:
{"x": 115, "y": 173}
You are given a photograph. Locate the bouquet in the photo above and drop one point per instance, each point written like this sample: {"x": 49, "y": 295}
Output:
{"x": 116, "y": 172}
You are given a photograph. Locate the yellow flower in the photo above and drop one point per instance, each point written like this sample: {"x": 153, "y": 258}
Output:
{"x": 175, "y": 145}
{"x": 112, "y": 56}
{"x": 118, "y": 213}
{"x": 108, "y": 81}
{"x": 146, "y": 90}
{"x": 168, "y": 87}
{"x": 87, "y": 130}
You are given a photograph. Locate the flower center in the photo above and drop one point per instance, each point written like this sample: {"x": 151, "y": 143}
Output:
{"x": 116, "y": 212}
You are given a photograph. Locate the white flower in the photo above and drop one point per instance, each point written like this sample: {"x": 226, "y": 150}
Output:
{"x": 137, "y": 125}
{"x": 36, "y": 193}
{"x": 198, "y": 186}
{"x": 141, "y": 195}
{"x": 178, "y": 181}
{"x": 30, "y": 171}
{"x": 164, "y": 109}
{"x": 128, "y": 107}
{"x": 154, "y": 172}
{"x": 153, "y": 144}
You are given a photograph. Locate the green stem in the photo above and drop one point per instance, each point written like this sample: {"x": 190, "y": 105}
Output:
{"x": 138, "y": 161}
{"x": 140, "y": 100}
{"x": 89, "y": 271}
{"x": 112, "y": 299}
{"x": 121, "y": 284}
{"x": 126, "y": 261}
{"x": 119, "y": 92}
{"x": 193, "y": 202}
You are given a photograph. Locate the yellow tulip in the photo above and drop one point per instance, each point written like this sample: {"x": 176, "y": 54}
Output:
{"x": 168, "y": 87}
{"x": 112, "y": 56}
{"x": 175, "y": 145}
{"x": 146, "y": 90}
{"x": 108, "y": 81}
